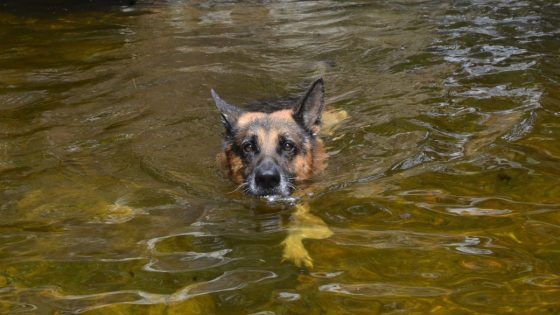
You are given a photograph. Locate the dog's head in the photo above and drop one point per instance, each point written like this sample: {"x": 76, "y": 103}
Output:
{"x": 267, "y": 153}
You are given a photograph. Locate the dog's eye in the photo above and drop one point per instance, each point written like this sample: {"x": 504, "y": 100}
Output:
{"x": 248, "y": 147}
{"x": 288, "y": 146}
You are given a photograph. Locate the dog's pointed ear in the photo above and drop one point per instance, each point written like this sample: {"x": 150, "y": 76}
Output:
{"x": 307, "y": 112}
{"x": 230, "y": 113}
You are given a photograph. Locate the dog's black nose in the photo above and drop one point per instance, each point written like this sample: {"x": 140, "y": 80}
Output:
{"x": 267, "y": 176}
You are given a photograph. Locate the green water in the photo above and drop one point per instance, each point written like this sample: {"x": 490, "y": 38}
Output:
{"x": 442, "y": 190}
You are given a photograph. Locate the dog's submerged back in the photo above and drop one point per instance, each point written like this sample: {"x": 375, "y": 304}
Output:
{"x": 269, "y": 150}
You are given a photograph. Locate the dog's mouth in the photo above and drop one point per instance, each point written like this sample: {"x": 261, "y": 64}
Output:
{"x": 269, "y": 192}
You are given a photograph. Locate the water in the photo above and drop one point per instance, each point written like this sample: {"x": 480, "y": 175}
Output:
{"x": 441, "y": 194}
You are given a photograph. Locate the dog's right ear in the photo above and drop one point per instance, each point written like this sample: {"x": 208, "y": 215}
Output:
{"x": 229, "y": 113}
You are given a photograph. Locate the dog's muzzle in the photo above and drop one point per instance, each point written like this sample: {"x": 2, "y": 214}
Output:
{"x": 267, "y": 180}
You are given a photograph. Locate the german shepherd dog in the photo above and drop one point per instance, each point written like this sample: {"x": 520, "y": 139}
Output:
{"x": 268, "y": 151}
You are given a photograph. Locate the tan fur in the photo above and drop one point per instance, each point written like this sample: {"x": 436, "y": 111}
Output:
{"x": 233, "y": 164}
{"x": 303, "y": 165}
{"x": 247, "y": 118}
{"x": 310, "y": 164}
{"x": 268, "y": 139}
{"x": 319, "y": 157}
{"x": 282, "y": 114}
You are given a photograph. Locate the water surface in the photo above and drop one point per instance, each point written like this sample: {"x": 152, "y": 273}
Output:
{"x": 442, "y": 188}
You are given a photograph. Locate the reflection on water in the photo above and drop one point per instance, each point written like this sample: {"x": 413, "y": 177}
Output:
{"x": 441, "y": 192}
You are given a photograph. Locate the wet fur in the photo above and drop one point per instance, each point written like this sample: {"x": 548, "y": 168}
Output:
{"x": 295, "y": 120}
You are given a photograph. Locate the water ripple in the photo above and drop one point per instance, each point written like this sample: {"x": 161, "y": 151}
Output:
{"x": 411, "y": 240}
{"x": 383, "y": 290}
{"x": 182, "y": 262}
{"x": 230, "y": 280}
{"x": 474, "y": 211}
{"x": 543, "y": 281}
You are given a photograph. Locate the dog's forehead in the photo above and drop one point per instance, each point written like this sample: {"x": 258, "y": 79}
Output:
{"x": 254, "y": 117}
{"x": 278, "y": 122}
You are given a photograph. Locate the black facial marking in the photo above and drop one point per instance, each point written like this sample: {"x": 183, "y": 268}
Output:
{"x": 287, "y": 148}
{"x": 250, "y": 147}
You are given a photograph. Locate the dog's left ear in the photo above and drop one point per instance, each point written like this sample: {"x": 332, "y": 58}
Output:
{"x": 230, "y": 113}
{"x": 307, "y": 112}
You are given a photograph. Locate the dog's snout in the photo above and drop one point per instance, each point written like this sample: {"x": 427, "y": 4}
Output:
{"x": 267, "y": 176}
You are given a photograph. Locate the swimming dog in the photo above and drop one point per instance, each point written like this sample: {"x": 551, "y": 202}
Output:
{"x": 268, "y": 151}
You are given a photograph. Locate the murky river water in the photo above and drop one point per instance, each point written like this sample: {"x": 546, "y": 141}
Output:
{"x": 442, "y": 190}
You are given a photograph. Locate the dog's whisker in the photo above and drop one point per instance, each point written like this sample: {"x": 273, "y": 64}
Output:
{"x": 242, "y": 185}
{"x": 290, "y": 183}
